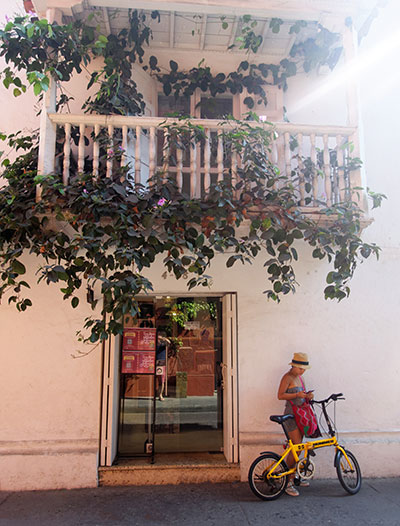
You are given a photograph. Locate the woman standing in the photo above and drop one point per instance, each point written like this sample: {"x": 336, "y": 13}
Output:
{"x": 292, "y": 389}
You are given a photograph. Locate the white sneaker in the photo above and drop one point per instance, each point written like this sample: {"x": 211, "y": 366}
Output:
{"x": 301, "y": 482}
{"x": 291, "y": 490}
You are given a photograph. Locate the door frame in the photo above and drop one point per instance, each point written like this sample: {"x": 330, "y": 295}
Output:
{"x": 110, "y": 382}
{"x": 230, "y": 377}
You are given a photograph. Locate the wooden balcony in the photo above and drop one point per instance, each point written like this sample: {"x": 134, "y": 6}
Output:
{"x": 144, "y": 149}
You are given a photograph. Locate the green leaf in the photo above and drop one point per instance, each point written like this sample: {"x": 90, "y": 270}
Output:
{"x": 153, "y": 61}
{"x": 199, "y": 241}
{"x": 75, "y": 302}
{"x": 297, "y": 234}
{"x": 79, "y": 262}
{"x": 94, "y": 337}
{"x": 275, "y": 24}
{"x": 18, "y": 267}
{"x": 274, "y": 269}
{"x": 330, "y": 277}
{"x": 231, "y": 261}
{"x": 7, "y": 81}
{"x": 249, "y": 101}
{"x": 268, "y": 234}
{"x": 30, "y": 31}
{"x": 37, "y": 88}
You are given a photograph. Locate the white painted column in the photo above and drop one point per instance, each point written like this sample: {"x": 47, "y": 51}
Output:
{"x": 47, "y": 141}
{"x": 352, "y": 96}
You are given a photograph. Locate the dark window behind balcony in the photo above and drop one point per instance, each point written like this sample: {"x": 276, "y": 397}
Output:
{"x": 215, "y": 107}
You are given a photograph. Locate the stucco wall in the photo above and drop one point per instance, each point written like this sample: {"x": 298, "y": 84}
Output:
{"x": 50, "y": 395}
{"x": 351, "y": 351}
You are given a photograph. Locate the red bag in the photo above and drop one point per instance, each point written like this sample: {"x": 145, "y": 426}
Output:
{"x": 305, "y": 418}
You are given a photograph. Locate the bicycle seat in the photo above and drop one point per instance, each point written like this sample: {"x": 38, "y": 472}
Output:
{"x": 279, "y": 419}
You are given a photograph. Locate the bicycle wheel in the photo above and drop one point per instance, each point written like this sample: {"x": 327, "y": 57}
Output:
{"x": 263, "y": 488}
{"x": 349, "y": 478}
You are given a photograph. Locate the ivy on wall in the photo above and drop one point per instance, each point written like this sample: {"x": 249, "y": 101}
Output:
{"x": 103, "y": 233}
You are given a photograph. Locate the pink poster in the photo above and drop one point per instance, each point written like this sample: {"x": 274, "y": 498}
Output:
{"x": 138, "y": 362}
{"x": 139, "y": 339}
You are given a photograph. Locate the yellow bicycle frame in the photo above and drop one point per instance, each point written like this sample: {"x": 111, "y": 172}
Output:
{"x": 297, "y": 449}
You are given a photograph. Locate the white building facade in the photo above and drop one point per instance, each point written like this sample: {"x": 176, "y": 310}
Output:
{"x": 68, "y": 411}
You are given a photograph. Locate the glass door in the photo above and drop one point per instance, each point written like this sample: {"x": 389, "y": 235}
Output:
{"x": 188, "y": 386}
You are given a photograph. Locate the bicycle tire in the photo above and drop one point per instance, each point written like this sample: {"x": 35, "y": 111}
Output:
{"x": 349, "y": 479}
{"x": 263, "y": 488}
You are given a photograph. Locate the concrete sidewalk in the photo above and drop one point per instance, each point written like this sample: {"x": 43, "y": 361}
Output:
{"x": 324, "y": 503}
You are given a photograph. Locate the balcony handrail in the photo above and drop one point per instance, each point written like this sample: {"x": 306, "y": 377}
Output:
{"x": 145, "y": 151}
{"x": 157, "y": 122}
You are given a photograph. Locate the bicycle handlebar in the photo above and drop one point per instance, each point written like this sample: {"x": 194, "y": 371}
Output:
{"x": 334, "y": 397}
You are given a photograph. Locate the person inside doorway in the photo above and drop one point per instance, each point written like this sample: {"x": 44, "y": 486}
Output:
{"x": 161, "y": 361}
{"x": 293, "y": 391}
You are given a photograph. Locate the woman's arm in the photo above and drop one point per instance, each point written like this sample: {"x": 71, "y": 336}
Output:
{"x": 283, "y": 395}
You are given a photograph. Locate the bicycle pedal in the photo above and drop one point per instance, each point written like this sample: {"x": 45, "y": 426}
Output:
{"x": 311, "y": 453}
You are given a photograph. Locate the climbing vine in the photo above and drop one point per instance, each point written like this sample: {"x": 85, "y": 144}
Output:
{"x": 35, "y": 46}
{"x": 103, "y": 233}
{"x": 308, "y": 54}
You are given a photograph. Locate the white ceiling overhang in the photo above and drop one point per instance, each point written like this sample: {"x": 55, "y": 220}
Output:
{"x": 291, "y": 9}
{"x": 198, "y": 26}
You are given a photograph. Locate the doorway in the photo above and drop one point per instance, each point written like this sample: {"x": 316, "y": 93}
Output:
{"x": 195, "y": 403}
{"x": 188, "y": 385}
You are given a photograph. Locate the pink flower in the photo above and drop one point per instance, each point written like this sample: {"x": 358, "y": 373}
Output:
{"x": 161, "y": 202}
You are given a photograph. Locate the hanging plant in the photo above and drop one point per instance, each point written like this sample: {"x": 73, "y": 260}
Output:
{"x": 186, "y": 311}
{"x": 306, "y": 55}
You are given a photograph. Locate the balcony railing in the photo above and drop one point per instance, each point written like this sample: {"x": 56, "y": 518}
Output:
{"x": 144, "y": 149}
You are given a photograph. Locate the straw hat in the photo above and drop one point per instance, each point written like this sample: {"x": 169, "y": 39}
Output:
{"x": 300, "y": 359}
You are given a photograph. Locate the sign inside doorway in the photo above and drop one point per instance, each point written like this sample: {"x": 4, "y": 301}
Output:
{"x": 139, "y": 339}
{"x": 139, "y": 350}
{"x": 138, "y": 362}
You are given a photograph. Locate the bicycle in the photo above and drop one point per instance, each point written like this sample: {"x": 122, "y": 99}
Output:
{"x": 268, "y": 474}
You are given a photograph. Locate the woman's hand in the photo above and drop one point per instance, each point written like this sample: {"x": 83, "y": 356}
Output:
{"x": 309, "y": 395}
{"x": 301, "y": 394}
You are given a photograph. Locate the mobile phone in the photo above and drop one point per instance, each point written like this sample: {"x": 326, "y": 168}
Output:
{"x": 310, "y": 391}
